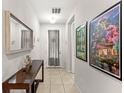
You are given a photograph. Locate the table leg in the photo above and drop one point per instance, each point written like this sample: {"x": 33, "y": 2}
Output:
{"x": 7, "y": 91}
{"x": 42, "y": 71}
{"x": 27, "y": 90}
{"x": 33, "y": 88}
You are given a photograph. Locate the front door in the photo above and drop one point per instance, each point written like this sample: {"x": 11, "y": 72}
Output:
{"x": 53, "y": 37}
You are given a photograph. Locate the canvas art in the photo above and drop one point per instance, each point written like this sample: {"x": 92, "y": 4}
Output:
{"x": 105, "y": 41}
{"x": 81, "y": 42}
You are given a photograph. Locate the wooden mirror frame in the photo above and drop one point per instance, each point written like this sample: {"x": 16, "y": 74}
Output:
{"x": 9, "y": 15}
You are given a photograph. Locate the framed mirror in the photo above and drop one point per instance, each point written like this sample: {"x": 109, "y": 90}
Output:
{"x": 18, "y": 36}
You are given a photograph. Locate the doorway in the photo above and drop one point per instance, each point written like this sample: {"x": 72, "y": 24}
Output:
{"x": 71, "y": 45}
{"x": 53, "y": 48}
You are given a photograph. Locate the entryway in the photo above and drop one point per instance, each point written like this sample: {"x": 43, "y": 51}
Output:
{"x": 53, "y": 48}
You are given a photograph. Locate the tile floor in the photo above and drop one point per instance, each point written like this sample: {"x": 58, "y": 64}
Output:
{"x": 57, "y": 80}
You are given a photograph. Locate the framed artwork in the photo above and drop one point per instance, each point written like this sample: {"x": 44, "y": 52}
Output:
{"x": 81, "y": 42}
{"x": 105, "y": 42}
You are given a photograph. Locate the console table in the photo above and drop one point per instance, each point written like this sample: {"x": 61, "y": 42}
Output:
{"x": 25, "y": 80}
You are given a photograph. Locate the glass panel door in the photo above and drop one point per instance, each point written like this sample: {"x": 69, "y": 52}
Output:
{"x": 53, "y": 36}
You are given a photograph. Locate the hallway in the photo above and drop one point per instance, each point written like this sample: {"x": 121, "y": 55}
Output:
{"x": 57, "y": 80}
{"x": 83, "y": 37}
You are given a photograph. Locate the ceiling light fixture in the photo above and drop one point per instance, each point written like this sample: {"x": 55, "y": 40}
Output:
{"x": 52, "y": 20}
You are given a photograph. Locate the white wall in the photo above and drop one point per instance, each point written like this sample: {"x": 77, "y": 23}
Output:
{"x": 44, "y": 41}
{"x": 22, "y": 10}
{"x": 88, "y": 79}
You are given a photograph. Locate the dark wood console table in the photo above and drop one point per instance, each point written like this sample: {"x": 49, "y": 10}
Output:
{"x": 25, "y": 80}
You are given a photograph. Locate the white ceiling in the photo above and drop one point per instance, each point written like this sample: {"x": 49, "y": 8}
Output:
{"x": 43, "y": 9}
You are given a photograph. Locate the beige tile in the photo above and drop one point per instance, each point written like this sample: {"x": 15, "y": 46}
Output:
{"x": 56, "y": 81}
{"x": 54, "y": 73}
{"x": 61, "y": 70}
{"x": 47, "y": 81}
{"x": 46, "y": 75}
{"x": 46, "y": 71}
{"x": 70, "y": 89}
{"x": 53, "y": 70}
{"x": 65, "y": 74}
{"x": 54, "y": 76}
{"x": 42, "y": 88}
{"x": 57, "y": 89}
{"x": 67, "y": 80}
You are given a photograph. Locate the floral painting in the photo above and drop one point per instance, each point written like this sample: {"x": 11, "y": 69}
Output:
{"x": 105, "y": 42}
{"x": 81, "y": 42}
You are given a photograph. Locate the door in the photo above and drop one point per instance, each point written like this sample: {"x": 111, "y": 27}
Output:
{"x": 53, "y": 37}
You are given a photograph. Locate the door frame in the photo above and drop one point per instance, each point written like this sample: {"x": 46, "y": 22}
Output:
{"x": 71, "y": 41}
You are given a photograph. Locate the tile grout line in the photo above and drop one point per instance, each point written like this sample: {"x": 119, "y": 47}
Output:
{"x": 49, "y": 84}
{"x": 62, "y": 82}
{"x": 50, "y": 87}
